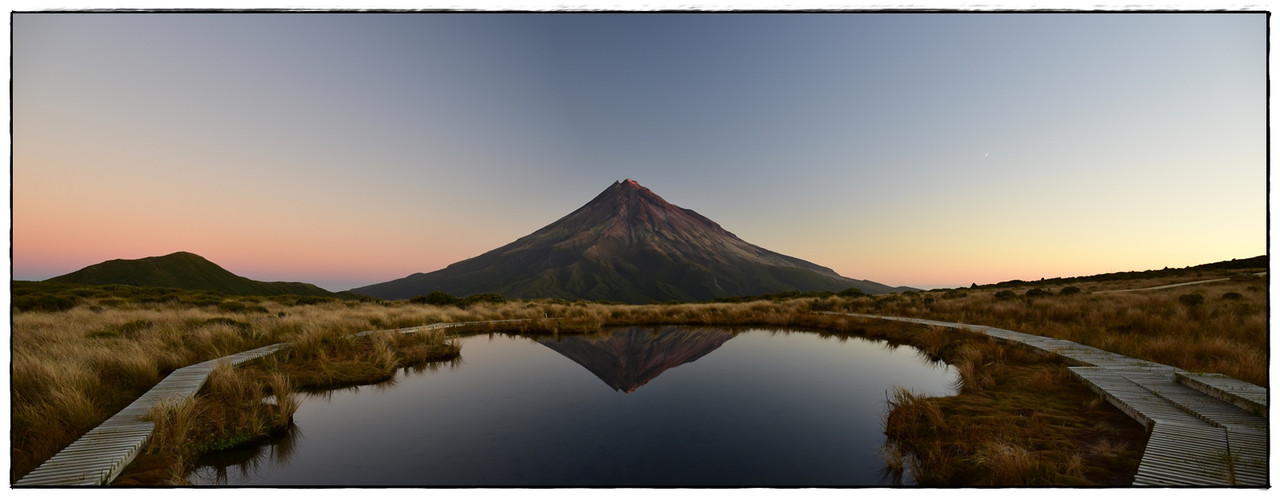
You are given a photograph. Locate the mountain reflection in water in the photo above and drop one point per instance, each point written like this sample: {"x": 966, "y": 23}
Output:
{"x": 628, "y": 358}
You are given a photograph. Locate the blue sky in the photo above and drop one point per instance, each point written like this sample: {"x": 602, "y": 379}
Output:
{"x": 910, "y": 149}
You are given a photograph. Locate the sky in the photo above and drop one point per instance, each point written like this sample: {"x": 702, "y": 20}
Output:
{"x": 919, "y": 149}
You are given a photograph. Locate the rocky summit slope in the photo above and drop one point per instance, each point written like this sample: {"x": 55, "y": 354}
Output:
{"x": 628, "y": 245}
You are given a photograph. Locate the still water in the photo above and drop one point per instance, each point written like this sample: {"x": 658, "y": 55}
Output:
{"x": 630, "y": 407}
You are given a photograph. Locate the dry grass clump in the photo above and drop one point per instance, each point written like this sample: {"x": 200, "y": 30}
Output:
{"x": 913, "y": 412}
{"x": 175, "y": 423}
{"x": 236, "y": 407}
{"x": 323, "y": 360}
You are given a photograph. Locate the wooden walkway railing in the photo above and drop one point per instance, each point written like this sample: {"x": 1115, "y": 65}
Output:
{"x": 1205, "y": 429}
{"x": 99, "y": 456}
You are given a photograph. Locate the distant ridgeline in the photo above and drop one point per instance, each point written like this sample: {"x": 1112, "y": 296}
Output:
{"x": 1259, "y": 263}
{"x": 186, "y": 271}
{"x": 186, "y": 277}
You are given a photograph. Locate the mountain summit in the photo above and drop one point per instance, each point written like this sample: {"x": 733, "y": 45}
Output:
{"x": 630, "y": 245}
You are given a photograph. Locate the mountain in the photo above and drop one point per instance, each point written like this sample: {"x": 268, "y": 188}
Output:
{"x": 182, "y": 270}
{"x": 628, "y": 245}
{"x": 626, "y": 359}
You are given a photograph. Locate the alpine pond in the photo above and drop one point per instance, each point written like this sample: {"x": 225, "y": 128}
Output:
{"x": 628, "y": 407}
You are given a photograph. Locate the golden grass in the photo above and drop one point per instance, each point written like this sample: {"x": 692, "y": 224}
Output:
{"x": 175, "y": 422}
{"x": 1222, "y": 335}
{"x": 232, "y": 410}
{"x": 323, "y": 361}
{"x": 60, "y": 392}
{"x": 73, "y": 369}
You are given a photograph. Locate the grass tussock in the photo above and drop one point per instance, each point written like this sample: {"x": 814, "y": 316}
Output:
{"x": 175, "y": 423}
{"x": 237, "y": 407}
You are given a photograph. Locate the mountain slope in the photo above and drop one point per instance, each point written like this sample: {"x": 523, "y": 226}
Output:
{"x": 630, "y": 245}
{"x": 182, "y": 270}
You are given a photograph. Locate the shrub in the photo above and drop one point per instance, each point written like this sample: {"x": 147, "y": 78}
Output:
{"x": 851, "y": 292}
{"x": 43, "y": 302}
{"x": 954, "y": 294}
{"x": 1191, "y": 300}
{"x": 1005, "y": 295}
{"x": 304, "y": 300}
{"x": 821, "y": 305}
{"x": 112, "y": 302}
{"x": 483, "y": 298}
{"x": 436, "y": 298}
{"x": 1232, "y": 296}
{"x": 1038, "y": 292}
{"x": 231, "y": 306}
{"x": 205, "y": 300}
{"x": 86, "y": 292}
{"x": 1069, "y": 290}
{"x": 159, "y": 296}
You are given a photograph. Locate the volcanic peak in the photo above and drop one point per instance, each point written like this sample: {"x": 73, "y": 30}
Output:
{"x": 627, "y": 244}
{"x": 631, "y": 206}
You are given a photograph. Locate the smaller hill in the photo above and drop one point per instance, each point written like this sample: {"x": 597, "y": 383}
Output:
{"x": 182, "y": 270}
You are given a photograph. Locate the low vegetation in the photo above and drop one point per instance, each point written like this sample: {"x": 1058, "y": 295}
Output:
{"x": 1018, "y": 419}
{"x": 1218, "y": 327}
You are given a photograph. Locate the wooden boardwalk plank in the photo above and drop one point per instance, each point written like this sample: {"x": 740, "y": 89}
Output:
{"x": 1248, "y": 396}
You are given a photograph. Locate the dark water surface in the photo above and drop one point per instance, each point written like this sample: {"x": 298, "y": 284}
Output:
{"x": 633, "y": 407}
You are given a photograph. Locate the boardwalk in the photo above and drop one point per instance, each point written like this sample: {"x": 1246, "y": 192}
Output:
{"x": 1170, "y": 286}
{"x": 1205, "y": 429}
{"x": 99, "y": 456}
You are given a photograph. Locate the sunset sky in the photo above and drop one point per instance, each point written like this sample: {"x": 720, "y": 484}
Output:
{"x": 909, "y": 149}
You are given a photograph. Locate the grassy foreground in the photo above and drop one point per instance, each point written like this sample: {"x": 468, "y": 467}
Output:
{"x": 1216, "y": 327}
{"x": 1017, "y": 420}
